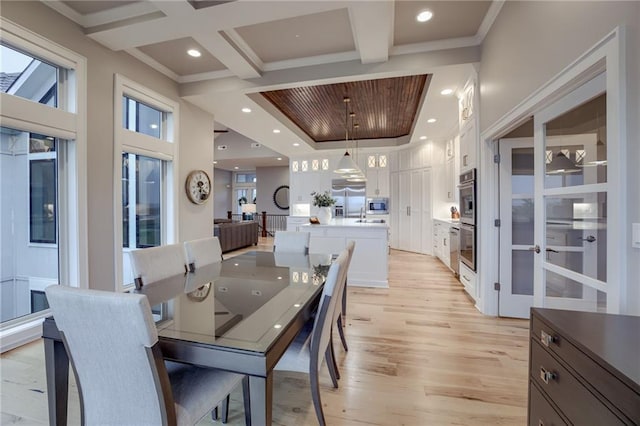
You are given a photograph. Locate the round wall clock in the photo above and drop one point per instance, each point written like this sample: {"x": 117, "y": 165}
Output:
{"x": 198, "y": 186}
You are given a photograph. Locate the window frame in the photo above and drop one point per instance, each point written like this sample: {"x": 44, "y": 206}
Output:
{"x": 66, "y": 123}
{"x": 164, "y": 148}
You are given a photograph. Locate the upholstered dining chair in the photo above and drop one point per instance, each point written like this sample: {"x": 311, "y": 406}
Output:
{"x": 341, "y": 311}
{"x": 156, "y": 263}
{"x": 202, "y": 252}
{"x": 122, "y": 379}
{"x": 291, "y": 242}
{"x": 312, "y": 345}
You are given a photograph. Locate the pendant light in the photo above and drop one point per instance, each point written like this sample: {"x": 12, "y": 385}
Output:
{"x": 359, "y": 176}
{"x": 561, "y": 165}
{"x": 346, "y": 163}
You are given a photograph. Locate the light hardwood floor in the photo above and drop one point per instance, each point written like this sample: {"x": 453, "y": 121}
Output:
{"x": 419, "y": 354}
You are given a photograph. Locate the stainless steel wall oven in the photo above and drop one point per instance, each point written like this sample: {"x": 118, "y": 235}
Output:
{"x": 468, "y": 204}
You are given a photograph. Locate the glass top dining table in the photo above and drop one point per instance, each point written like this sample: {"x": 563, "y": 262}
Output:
{"x": 238, "y": 315}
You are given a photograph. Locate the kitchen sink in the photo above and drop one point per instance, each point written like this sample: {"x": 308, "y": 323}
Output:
{"x": 370, "y": 221}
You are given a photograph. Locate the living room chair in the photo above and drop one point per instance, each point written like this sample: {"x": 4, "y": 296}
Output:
{"x": 291, "y": 242}
{"x": 203, "y": 251}
{"x": 311, "y": 345}
{"x": 156, "y": 263}
{"x": 122, "y": 379}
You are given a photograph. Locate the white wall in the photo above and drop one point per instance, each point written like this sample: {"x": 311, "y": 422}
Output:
{"x": 530, "y": 42}
{"x": 222, "y": 180}
{"x": 268, "y": 179}
{"x": 102, "y": 64}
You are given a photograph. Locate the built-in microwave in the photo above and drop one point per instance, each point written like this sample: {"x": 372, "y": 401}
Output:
{"x": 377, "y": 206}
{"x": 467, "y": 190}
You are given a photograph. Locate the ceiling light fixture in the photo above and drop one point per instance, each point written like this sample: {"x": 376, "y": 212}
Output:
{"x": 215, "y": 162}
{"x": 276, "y": 130}
{"x": 279, "y": 158}
{"x": 431, "y": 120}
{"x": 194, "y": 53}
{"x": 246, "y": 110}
{"x": 359, "y": 175}
{"x": 346, "y": 163}
{"x": 296, "y": 144}
{"x": 236, "y": 167}
{"x": 422, "y": 138}
{"x": 446, "y": 92}
{"x": 561, "y": 164}
{"x": 424, "y": 16}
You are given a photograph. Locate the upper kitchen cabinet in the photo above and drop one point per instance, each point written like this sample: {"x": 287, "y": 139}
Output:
{"x": 468, "y": 117}
{"x": 377, "y": 171}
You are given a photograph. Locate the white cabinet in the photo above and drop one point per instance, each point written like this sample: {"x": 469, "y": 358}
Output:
{"x": 437, "y": 245}
{"x": 468, "y": 139}
{"x": 295, "y": 222}
{"x": 377, "y": 181}
{"x": 468, "y": 280}
{"x": 411, "y": 216}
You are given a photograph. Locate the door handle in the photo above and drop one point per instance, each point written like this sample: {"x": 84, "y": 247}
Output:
{"x": 408, "y": 210}
{"x": 589, "y": 239}
{"x": 552, "y": 250}
{"x": 535, "y": 248}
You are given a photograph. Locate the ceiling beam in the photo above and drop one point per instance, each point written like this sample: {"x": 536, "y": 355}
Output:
{"x": 372, "y": 26}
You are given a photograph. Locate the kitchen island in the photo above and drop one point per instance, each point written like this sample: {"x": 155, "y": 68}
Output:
{"x": 369, "y": 265}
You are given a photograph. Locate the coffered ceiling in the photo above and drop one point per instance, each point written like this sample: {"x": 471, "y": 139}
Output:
{"x": 250, "y": 47}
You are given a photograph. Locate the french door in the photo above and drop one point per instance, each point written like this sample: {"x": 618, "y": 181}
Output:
{"x": 554, "y": 190}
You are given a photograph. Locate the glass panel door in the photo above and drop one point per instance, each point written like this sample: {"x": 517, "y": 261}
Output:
{"x": 571, "y": 201}
{"x": 516, "y": 230}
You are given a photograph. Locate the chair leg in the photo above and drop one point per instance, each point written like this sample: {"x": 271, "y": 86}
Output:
{"x": 225, "y": 409}
{"x": 341, "y": 332}
{"x": 315, "y": 395}
{"x": 344, "y": 302}
{"x": 247, "y": 400}
{"x": 331, "y": 365}
{"x": 334, "y": 361}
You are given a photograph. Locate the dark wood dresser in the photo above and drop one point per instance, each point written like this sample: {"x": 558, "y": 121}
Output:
{"x": 584, "y": 368}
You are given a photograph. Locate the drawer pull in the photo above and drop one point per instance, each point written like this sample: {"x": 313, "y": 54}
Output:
{"x": 546, "y": 375}
{"x": 546, "y": 338}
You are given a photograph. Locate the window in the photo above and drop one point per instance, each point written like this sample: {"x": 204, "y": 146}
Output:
{"x": 145, "y": 150}
{"x": 141, "y": 188}
{"x": 141, "y": 118}
{"x": 27, "y": 77}
{"x": 42, "y": 163}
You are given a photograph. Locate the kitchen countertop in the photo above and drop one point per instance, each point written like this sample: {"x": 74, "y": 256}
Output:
{"x": 448, "y": 221}
{"x": 350, "y": 222}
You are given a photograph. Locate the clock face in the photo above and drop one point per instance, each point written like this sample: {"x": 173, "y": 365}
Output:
{"x": 198, "y": 186}
{"x": 200, "y": 293}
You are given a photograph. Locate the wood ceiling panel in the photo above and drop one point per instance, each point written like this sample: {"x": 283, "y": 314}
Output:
{"x": 384, "y": 108}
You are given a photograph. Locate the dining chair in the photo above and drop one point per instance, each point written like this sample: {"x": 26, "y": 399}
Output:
{"x": 341, "y": 313}
{"x": 312, "y": 344}
{"x": 112, "y": 343}
{"x": 202, "y": 252}
{"x": 156, "y": 263}
{"x": 291, "y": 242}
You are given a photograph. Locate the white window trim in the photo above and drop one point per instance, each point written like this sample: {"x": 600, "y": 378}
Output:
{"x": 68, "y": 121}
{"x": 53, "y": 155}
{"x": 138, "y": 143}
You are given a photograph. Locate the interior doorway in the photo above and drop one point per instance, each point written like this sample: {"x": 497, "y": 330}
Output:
{"x": 553, "y": 207}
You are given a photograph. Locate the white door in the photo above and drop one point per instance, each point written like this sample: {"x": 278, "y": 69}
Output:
{"x": 404, "y": 210}
{"x": 516, "y": 229}
{"x": 570, "y": 250}
{"x": 553, "y": 208}
{"x": 414, "y": 232}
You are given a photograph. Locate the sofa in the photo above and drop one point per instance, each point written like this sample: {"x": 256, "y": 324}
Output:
{"x": 235, "y": 235}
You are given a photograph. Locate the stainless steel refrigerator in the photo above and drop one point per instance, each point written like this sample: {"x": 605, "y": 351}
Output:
{"x": 350, "y": 197}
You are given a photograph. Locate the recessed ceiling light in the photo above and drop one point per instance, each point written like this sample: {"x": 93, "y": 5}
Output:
{"x": 215, "y": 162}
{"x": 194, "y": 52}
{"x": 296, "y": 144}
{"x": 247, "y": 110}
{"x": 431, "y": 120}
{"x": 423, "y": 138}
{"x": 236, "y": 167}
{"x": 446, "y": 92}
{"x": 424, "y": 16}
{"x": 279, "y": 158}
{"x": 276, "y": 130}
